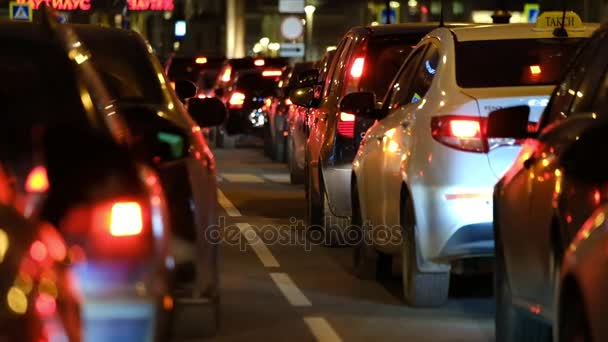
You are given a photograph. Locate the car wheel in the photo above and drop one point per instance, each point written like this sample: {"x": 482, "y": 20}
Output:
{"x": 420, "y": 289}
{"x": 279, "y": 148}
{"x": 296, "y": 176}
{"x": 573, "y": 323}
{"x": 268, "y": 143}
{"x": 314, "y": 211}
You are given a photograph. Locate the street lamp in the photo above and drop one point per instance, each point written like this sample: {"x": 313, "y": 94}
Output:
{"x": 310, "y": 11}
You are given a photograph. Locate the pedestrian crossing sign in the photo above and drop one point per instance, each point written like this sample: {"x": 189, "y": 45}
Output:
{"x": 20, "y": 11}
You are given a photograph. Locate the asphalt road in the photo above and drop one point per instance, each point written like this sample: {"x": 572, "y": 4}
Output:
{"x": 277, "y": 287}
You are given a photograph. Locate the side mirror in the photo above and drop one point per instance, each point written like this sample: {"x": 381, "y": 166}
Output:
{"x": 206, "y": 112}
{"x": 361, "y": 104}
{"x": 511, "y": 122}
{"x": 185, "y": 89}
{"x": 308, "y": 78}
{"x": 304, "y": 97}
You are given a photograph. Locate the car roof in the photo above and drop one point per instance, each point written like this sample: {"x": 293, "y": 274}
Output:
{"x": 513, "y": 31}
{"x": 405, "y": 28}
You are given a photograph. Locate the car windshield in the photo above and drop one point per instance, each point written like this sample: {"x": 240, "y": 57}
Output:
{"x": 513, "y": 62}
{"x": 385, "y": 56}
{"x": 129, "y": 76}
{"x": 36, "y": 90}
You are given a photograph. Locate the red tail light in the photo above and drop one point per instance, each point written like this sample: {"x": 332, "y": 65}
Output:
{"x": 460, "y": 132}
{"x": 237, "y": 99}
{"x": 356, "y": 70}
{"x": 271, "y": 73}
{"x": 288, "y": 102}
{"x": 45, "y": 305}
{"x": 126, "y": 219}
{"x": 37, "y": 181}
{"x": 346, "y": 125}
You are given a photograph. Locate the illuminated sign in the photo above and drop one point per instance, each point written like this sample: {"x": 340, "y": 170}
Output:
{"x": 85, "y": 5}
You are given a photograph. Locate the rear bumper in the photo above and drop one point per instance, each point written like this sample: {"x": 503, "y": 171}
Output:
{"x": 474, "y": 240}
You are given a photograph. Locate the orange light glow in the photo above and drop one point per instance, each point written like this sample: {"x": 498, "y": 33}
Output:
{"x": 347, "y": 117}
{"x": 126, "y": 219}
{"x": 227, "y": 74}
{"x": 202, "y": 96}
{"x": 597, "y": 197}
{"x": 37, "y": 180}
{"x": 172, "y": 84}
{"x": 167, "y": 302}
{"x": 535, "y": 69}
{"x": 271, "y": 73}
{"x": 201, "y": 60}
{"x": 259, "y": 62}
{"x": 38, "y": 251}
{"x": 465, "y": 128}
{"x": 356, "y": 70}
{"x": 237, "y": 100}
{"x": 288, "y": 102}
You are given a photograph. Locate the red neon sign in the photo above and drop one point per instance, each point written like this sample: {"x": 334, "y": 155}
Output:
{"x": 85, "y": 5}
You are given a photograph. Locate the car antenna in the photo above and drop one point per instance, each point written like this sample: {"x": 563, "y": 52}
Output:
{"x": 561, "y": 32}
{"x": 441, "y": 18}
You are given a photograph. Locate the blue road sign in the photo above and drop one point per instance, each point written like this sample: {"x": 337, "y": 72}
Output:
{"x": 385, "y": 16}
{"x": 20, "y": 12}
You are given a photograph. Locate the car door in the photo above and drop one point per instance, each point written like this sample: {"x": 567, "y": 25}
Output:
{"x": 530, "y": 194}
{"x": 328, "y": 105}
{"x": 373, "y": 147}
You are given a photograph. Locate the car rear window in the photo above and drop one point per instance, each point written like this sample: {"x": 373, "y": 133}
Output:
{"x": 256, "y": 83}
{"x": 513, "y": 62}
{"x": 384, "y": 58}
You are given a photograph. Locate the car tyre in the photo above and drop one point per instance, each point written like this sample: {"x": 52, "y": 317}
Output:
{"x": 573, "y": 325}
{"x": 365, "y": 256}
{"x": 296, "y": 176}
{"x": 279, "y": 148}
{"x": 268, "y": 143}
{"x": 420, "y": 289}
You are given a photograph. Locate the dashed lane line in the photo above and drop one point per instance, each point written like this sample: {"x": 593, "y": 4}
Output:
{"x": 230, "y": 209}
{"x": 258, "y": 246}
{"x": 290, "y": 290}
{"x": 321, "y": 329}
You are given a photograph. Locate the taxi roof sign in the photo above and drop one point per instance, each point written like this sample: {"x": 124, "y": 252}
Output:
{"x": 549, "y": 21}
{"x": 20, "y": 11}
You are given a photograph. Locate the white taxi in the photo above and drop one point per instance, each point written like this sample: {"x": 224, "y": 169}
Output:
{"x": 424, "y": 175}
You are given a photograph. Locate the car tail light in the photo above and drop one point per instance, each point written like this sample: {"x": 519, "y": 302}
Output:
{"x": 346, "y": 125}
{"x": 460, "y": 132}
{"x": 46, "y": 305}
{"x": 288, "y": 102}
{"x": 202, "y": 96}
{"x": 201, "y": 60}
{"x": 227, "y": 74}
{"x": 271, "y": 73}
{"x": 237, "y": 99}
{"x": 172, "y": 84}
{"x": 126, "y": 219}
{"x": 37, "y": 180}
{"x": 259, "y": 62}
{"x": 356, "y": 70}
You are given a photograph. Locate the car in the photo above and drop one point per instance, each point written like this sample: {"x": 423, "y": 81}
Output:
{"x": 246, "y": 95}
{"x": 276, "y": 123}
{"x": 298, "y": 125}
{"x": 189, "y": 68}
{"x": 367, "y": 58}
{"x": 553, "y": 195}
{"x": 423, "y": 177}
{"x": 69, "y": 155}
{"x": 206, "y": 82}
{"x": 172, "y": 144}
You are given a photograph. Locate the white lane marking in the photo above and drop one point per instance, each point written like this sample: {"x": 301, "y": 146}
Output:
{"x": 321, "y": 329}
{"x": 290, "y": 290}
{"x": 277, "y": 178}
{"x": 242, "y": 178}
{"x": 258, "y": 246}
{"x": 230, "y": 209}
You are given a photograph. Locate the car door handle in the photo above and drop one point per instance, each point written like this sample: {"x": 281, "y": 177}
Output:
{"x": 529, "y": 162}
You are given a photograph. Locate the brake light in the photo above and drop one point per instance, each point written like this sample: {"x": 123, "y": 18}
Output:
{"x": 460, "y": 132}
{"x": 271, "y": 73}
{"x": 346, "y": 125}
{"x": 45, "y": 305}
{"x": 356, "y": 70}
{"x": 259, "y": 62}
{"x": 227, "y": 74}
{"x": 201, "y": 60}
{"x": 37, "y": 181}
{"x": 237, "y": 99}
{"x": 288, "y": 102}
{"x": 126, "y": 219}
